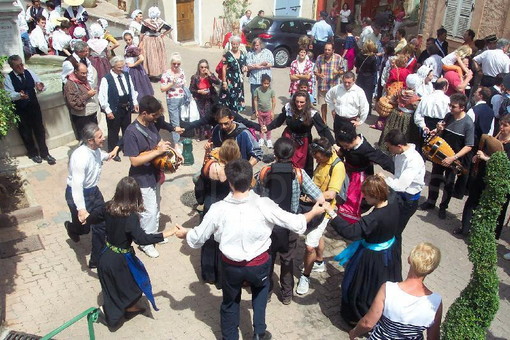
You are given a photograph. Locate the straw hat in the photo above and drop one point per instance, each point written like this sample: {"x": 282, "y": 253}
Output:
{"x": 74, "y": 2}
{"x": 57, "y": 21}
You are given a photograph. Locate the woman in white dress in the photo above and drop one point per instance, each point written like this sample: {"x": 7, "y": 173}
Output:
{"x": 403, "y": 310}
{"x": 136, "y": 25}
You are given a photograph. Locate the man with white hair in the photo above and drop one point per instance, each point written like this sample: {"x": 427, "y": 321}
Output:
{"x": 80, "y": 54}
{"x": 493, "y": 62}
{"x": 118, "y": 99}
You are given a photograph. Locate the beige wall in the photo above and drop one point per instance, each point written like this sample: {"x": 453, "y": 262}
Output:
{"x": 488, "y": 17}
{"x": 207, "y": 10}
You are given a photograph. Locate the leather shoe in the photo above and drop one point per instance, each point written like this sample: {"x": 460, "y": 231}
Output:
{"x": 265, "y": 336}
{"x": 50, "y": 159}
{"x": 427, "y": 206}
{"x": 73, "y": 236}
{"x": 117, "y": 158}
{"x": 92, "y": 265}
{"x": 36, "y": 159}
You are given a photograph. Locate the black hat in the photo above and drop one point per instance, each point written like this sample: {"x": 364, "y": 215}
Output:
{"x": 491, "y": 38}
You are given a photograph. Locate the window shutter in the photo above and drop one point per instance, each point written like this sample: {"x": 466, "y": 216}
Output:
{"x": 457, "y": 18}
{"x": 464, "y": 19}
{"x": 450, "y": 16}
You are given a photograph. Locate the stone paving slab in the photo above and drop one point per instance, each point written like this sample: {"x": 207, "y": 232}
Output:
{"x": 43, "y": 289}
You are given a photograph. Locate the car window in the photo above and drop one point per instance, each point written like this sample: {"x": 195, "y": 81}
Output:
{"x": 289, "y": 27}
{"x": 259, "y": 23}
{"x": 306, "y": 27}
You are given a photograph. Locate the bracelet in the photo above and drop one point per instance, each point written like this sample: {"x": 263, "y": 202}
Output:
{"x": 456, "y": 157}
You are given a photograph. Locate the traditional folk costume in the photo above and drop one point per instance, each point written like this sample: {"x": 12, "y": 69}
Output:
{"x": 153, "y": 44}
{"x": 76, "y": 11}
{"x": 358, "y": 165}
{"x": 140, "y": 79}
{"x": 301, "y": 134}
{"x": 98, "y": 51}
{"x": 122, "y": 275}
{"x": 135, "y": 27}
{"x": 369, "y": 261}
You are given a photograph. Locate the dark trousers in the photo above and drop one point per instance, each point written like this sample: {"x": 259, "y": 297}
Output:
{"x": 439, "y": 175}
{"x": 318, "y": 48}
{"x": 487, "y": 81}
{"x": 30, "y": 126}
{"x": 94, "y": 202}
{"x": 233, "y": 278}
{"x": 367, "y": 82}
{"x": 286, "y": 267}
{"x": 79, "y": 123}
{"x": 121, "y": 121}
{"x": 407, "y": 209}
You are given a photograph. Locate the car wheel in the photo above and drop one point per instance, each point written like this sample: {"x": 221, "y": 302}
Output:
{"x": 281, "y": 57}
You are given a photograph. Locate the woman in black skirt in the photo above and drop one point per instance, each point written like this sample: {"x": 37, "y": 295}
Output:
{"x": 373, "y": 258}
{"x": 122, "y": 275}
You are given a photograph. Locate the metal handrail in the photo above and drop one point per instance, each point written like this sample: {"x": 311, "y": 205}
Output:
{"x": 92, "y": 315}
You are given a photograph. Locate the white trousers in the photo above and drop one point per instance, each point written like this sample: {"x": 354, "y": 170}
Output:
{"x": 149, "y": 219}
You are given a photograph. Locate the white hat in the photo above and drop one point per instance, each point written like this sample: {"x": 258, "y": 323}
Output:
{"x": 154, "y": 12}
{"x": 135, "y": 13}
{"x": 79, "y": 32}
{"x": 103, "y": 23}
{"x": 96, "y": 31}
{"x": 74, "y": 2}
{"x": 412, "y": 81}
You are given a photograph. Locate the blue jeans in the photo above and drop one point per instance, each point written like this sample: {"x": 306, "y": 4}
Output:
{"x": 233, "y": 278}
{"x": 174, "y": 111}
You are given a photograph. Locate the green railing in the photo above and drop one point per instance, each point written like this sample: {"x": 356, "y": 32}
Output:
{"x": 92, "y": 315}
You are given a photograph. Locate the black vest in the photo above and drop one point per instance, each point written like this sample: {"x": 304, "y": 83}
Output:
{"x": 28, "y": 87}
{"x": 113, "y": 93}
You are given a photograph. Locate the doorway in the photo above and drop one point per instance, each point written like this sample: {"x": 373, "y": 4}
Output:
{"x": 185, "y": 20}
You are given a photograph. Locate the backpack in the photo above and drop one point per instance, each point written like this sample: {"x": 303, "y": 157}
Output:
{"x": 275, "y": 182}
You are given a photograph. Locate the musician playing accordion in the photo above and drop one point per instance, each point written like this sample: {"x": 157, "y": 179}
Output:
{"x": 457, "y": 129}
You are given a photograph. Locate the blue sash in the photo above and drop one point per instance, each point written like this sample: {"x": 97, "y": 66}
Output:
{"x": 140, "y": 276}
{"x": 348, "y": 252}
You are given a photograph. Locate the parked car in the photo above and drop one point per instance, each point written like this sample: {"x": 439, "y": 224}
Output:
{"x": 280, "y": 35}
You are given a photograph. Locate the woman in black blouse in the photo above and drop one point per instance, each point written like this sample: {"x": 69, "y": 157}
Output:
{"x": 122, "y": 275}
{"x": 373, "y": 258}
{"x": 366, "y": 66}
{"x": 300, "y": 118}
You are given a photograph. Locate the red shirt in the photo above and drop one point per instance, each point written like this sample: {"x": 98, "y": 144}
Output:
{"x": 453, "y": 81}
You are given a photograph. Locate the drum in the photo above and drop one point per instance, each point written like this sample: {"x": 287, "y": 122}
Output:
{"x": 167, "y": 162}
{"x": 436, "y": 149}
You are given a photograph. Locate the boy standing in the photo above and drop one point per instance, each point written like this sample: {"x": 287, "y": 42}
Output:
{"x": 264, "y": 100}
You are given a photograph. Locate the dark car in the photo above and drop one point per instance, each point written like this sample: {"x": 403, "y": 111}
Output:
{"x": 280, "y": 35}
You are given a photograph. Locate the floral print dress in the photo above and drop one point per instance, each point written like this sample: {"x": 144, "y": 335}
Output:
{"x": 233, "y": 96}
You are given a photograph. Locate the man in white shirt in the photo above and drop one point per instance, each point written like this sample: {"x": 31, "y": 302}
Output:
{"x": 245, "y": 19}
{"x": 366, "y": 31}
{"x": 82, "y": 194}
{"x": 321, "y": 34}
{"x": 409, "y": 176}
{"x": 400, "y": 37}
{"x": 118, "y": 99}
{"x": 493, "y": 62}
{"x": 39, "y": 38}
{"x": 244, "y": 237}
{"x": 80, "y": 54}
{"x": 347, "y": 102}
{"x": 433, "y": 107}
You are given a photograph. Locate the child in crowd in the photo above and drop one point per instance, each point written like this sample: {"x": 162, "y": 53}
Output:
{"x": 453, "y": 61}
{"x": 265, "y": 103}
{"x": 304, "y": 86}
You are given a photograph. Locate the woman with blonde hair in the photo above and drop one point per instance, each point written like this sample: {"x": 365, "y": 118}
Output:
{"x": 453, "y": 61}
{"x": 173, "y": 82}
{"x": 152, "y": 32}
{"x": 406, "y": 309}
{"x": 366, "y": 66}
{"x": 374, "y": 257}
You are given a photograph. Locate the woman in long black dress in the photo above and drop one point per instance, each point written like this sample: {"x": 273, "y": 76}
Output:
{"x": 300, "y": 118}
{"x": 366, "y": 66}
{"x": 373, "y": 258}
{"x": 122, "y": 275}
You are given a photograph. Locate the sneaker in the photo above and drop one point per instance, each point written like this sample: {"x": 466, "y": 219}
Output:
{"x": 165, "y": 241}
{"x": 506, "y": 256}
{"x": 150, "y": 251}
{"x": 319, "y": 268}
{"x": 269, "y": 144}
{"x": 261, "y": 142}
{"x": 427, "y": 206}
{"x": 303, "y": 285}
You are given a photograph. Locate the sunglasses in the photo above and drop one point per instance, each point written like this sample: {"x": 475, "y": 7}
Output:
{"x": 176, "y": 64}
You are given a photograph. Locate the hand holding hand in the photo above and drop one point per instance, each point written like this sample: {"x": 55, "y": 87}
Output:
{"x": 82, "y": 215}
{"x": 137, "y": 109}
{"x": 263, "y": 129}
{"x": 318, "y": 208}
{"x": 110, "y": 116}
{"x": 23, "y": 95}
{"x": 208, "y": 146}
{"x": 112, "y": 154}
{"x": 179, "y": 130}
{"x": 180, "y": 232}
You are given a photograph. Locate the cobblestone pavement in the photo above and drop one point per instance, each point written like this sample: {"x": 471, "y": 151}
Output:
{"x": 43, "y": 289}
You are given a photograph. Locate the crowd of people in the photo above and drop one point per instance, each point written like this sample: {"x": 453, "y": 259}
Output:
{"x": 461, "y": 95}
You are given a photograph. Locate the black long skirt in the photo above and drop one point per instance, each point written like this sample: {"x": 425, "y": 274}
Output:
{"x": 120, "y": 290}
{"x": 366, "y": 271}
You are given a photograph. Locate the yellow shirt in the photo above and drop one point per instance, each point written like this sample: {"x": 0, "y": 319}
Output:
{"x": 326, "y": 183}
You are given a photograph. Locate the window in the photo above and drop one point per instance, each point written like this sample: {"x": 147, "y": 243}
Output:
{"x": 457, "y": 17}
{"x": 289, "y": 27}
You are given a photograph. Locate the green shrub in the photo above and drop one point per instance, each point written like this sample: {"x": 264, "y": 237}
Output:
{"x": 8, "y": 116}
{"x": 471, "y": 314}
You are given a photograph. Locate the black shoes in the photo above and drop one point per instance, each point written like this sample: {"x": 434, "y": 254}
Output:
{"x": 427, "y": 206}
{"x": 36, "y": 159}
{"x": 73, "y": 236}
{"x": 92, "y": 265}
{"x": 265, "y": 336}
{"x": 50, "y": 159}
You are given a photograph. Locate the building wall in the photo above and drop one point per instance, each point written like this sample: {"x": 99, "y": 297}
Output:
{"x": 488, "y": 17}
{"x": 206, "y": 11}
